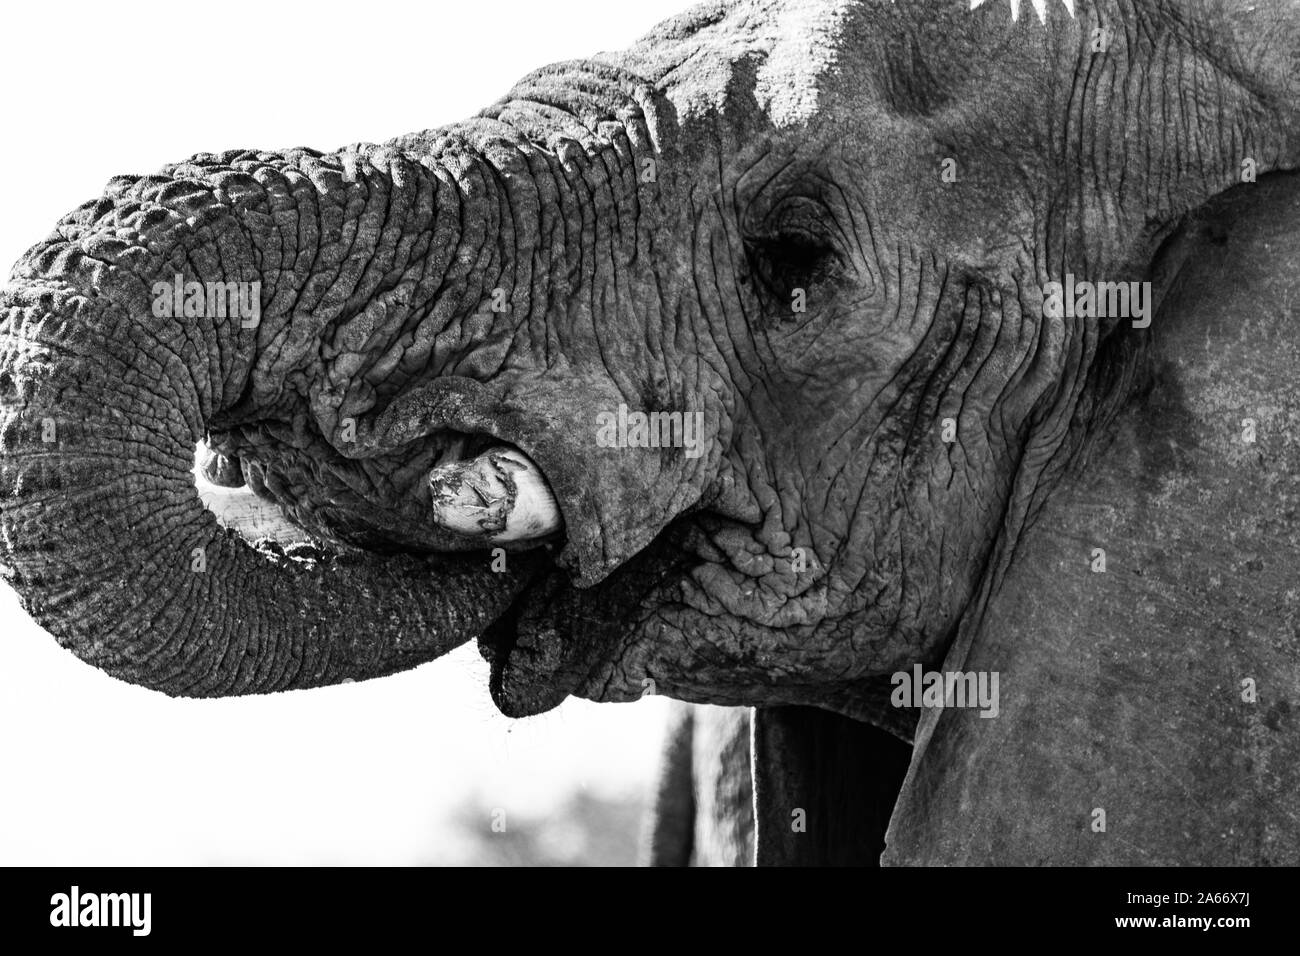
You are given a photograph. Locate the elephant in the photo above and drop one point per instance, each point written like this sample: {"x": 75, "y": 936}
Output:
{"x": 764, "y": 364}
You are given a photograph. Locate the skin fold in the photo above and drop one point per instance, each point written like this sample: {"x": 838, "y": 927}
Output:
{"x": 823, "y": 227}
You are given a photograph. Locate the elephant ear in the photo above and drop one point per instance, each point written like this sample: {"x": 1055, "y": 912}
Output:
{"x": 1150, "y": 712}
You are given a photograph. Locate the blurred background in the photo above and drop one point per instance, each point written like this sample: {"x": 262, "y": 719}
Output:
{"x": 411, "y": 769}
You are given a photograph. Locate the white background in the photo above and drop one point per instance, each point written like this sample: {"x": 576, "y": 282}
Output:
{"x": 98, "y": 772}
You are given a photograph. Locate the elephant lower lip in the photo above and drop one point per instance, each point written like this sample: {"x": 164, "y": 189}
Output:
{"x": 531, "y": 669}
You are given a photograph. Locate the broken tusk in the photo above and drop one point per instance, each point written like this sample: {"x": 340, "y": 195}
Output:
{"x": 500, "y": 495}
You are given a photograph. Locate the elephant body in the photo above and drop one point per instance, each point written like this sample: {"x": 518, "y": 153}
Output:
{"x": 744, "y": 366}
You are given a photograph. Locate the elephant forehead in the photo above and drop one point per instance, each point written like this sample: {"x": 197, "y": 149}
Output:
{"x": 787, "y": 83}
{"x": 789, "y": 59}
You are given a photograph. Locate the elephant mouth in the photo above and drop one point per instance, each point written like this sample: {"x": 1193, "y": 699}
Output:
{"x": 531, "y": 666}
{"x": 554, "y": 639}
{"x": 549, "y": 628}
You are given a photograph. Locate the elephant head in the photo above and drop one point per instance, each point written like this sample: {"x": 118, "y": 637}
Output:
{"x": 723, "y": 367}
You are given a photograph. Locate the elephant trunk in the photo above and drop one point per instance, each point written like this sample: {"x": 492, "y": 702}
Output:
{"x": 396, "y": 302}
{"x": 104, "y": 393}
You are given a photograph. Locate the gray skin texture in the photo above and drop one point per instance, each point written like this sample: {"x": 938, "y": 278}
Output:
{"x": 651, "y": 217}
{"x": 1164, "y": 691}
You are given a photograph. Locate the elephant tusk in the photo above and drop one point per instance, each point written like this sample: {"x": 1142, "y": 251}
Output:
{"x": 220, "y": 470}
{"x": 501, "y": 496}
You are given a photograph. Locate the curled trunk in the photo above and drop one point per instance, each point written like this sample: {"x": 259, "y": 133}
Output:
{"x": 102, "y": 401}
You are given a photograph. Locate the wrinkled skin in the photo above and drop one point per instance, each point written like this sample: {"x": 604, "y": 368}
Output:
{"x": 651, "y": 217}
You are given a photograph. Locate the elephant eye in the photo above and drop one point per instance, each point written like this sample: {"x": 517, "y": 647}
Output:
{"x": 791, "y": 260}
